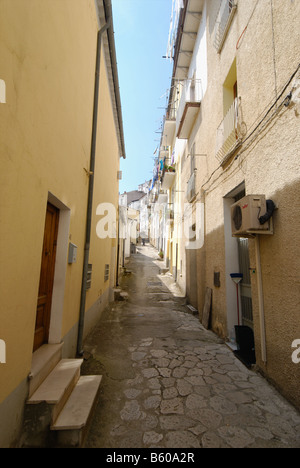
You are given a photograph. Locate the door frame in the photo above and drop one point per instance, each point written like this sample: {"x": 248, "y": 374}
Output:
{"x": 61, "y": 265}
{"x": 231, "y": 259}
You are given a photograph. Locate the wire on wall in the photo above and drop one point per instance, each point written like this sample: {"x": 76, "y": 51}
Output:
{"x": 258, "y": 129}
{"x": 245, "y": 29}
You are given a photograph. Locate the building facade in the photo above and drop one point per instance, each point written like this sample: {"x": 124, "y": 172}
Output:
{"x": 61, "y": 143}
{"x": 232, "y": 130}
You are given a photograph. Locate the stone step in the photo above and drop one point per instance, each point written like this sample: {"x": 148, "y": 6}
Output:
{"x": 123, "y": 296}
{"x": 45, "y": 399}
{"x": 43, "y": 362}
{"x": 72, "y": 422}
{"x": 116, "y": 294}
{"x": 57, "y": 387}
{"x": 56, "y": 382}
{"x": 120, "y": 295}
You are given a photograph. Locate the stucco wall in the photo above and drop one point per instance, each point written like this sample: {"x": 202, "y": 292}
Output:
{"x": 47, "y": 60}
{"x": 266, "y": 56}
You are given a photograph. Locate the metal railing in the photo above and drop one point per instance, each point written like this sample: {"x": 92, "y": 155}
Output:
{"x": 191, "y": 188}
{"x": 171, "y": 113}
{"x": 190, "y": 91}
{"x": 227, "y": 132}
{"x": 223, "y": 21}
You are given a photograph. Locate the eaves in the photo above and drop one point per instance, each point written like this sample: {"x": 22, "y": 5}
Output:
{"x": 104, "y": 11}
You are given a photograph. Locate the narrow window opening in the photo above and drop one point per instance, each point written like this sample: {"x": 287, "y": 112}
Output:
{"x": 106, "y": 273}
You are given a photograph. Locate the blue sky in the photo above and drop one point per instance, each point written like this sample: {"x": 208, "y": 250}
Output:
{"x": 141, "y": 36}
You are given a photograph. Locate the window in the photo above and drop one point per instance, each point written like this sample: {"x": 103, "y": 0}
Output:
{"x": 89, "y": 276}
{"x": 106, "y": 273}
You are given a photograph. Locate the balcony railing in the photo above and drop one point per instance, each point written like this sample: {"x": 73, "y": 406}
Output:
{"x": 170, "y": 214}
{"x": 191, "y": 188}
{"x": 223, "y": 22}
{"x": 169, "y": 126}
{"x": 188, "y": 108}
{"x": 227, "y": 134}
{"x": 164, "y": 151}
{"x": 168, "y": 174}
{"x": 171, "y": 114}
{"x": 162, "y": 197}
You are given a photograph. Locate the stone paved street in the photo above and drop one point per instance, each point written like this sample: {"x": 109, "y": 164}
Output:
{"x": 169, "y": 383}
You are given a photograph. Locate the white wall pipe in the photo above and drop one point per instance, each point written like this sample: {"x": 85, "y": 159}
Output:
{"x": 260, "y": 301}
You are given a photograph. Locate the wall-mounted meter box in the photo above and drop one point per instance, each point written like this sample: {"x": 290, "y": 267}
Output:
{"x": 72, "y": 253}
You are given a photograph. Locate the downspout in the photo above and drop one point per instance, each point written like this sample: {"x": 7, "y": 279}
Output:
{"x": 118, "y": 249}
{"x": 91, "y": 190}
{"x": 118, "y": 255}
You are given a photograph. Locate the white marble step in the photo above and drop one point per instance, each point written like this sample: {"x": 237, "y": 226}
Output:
{"x": 43, "y": 362}
{"x": 75, "y": 414}
{"x": 58, "y": 383}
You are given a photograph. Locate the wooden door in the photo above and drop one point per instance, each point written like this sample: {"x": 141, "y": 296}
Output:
{"x": 46, "y": 278}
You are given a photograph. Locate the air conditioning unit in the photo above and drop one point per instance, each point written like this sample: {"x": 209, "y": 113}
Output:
{"x": 246, "y": 214}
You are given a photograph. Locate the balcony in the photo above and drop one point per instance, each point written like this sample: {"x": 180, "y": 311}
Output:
{"x": 164, "y": 152}
{"x": 189, "y": 106}
{"x": 162, "y": 197}
{"x": 228, "y": 139}
{"x": 168, "y": 180}
{"x": 191, "y": 188}
{"x": 223, "y": 22}
{"x": 185, "y": 31}
{"x": 170, "y": 214}
{"x": 168, "y": 175}
{"x": 169, "y": 127}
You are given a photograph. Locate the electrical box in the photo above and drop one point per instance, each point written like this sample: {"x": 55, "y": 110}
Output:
{"x": 72, "y": 253}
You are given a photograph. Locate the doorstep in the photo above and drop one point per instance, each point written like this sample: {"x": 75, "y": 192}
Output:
{"x": 73, "y": 419}
{"x": 43, "y": 362}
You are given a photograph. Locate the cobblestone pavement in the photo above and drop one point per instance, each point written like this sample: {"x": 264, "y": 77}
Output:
{"x": 169, "y": 383}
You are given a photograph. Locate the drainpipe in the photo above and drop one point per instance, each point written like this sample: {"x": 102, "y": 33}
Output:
{"x": 91, "y": 190}
{"x": 260, "y": 302}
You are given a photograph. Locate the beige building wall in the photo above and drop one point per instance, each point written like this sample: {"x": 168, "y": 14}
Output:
{"x": 106, "y": 191}
{"x": 259, "y": 63}
{"x": 47, "y": 62}
{"x": 266, "y": 57}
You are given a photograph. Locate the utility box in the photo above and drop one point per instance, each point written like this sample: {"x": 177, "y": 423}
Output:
{"x": 72, "y": 253}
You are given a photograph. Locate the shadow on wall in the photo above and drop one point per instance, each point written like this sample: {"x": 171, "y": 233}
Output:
{"x": 280, "y": 260}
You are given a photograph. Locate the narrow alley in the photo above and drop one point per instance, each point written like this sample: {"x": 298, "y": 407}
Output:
{"x": 150, "y": 191}
{"x": 169, "y": 383}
